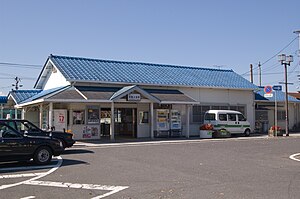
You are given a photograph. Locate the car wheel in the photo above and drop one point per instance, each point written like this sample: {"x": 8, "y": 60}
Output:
{"x": 247, "y": 133}
{"x": 43, "y": 155}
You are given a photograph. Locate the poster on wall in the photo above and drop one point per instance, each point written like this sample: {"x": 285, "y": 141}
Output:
{"x": 78, "y": 117}
{"x": 90, "y": 132}
{"x": 93, "y": 115}
{"x": 60, "y": 119}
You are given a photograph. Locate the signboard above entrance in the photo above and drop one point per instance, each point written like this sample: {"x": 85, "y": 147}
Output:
{"x": 134, "y": 97}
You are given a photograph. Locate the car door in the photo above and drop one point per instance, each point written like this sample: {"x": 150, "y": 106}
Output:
{"x": 243, "y": 123}
{"x": 222, "y": 122}
{"x": 233, "y": 126}
{"x": 13, "y": 145}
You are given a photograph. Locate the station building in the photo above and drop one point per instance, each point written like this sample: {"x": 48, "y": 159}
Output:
{"x": 267, "y": 107}
{"x": 96, "y": 98}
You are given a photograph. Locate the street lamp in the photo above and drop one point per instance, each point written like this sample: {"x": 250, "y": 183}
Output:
{"x": 286, "y": 61}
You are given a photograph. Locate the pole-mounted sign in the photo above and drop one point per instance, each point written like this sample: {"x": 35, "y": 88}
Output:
{"x": 277, "y": 88}
{"x": 268, "y": 91}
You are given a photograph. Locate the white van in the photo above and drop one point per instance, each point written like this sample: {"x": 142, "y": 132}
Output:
{"x": 232, "y": 121}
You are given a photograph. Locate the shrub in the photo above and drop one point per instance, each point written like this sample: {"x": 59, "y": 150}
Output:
{"x": 207, "y": 127}
{"x": 273, "y": 128}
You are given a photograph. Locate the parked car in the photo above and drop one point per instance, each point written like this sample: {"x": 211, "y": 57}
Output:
{"x": 26, "y": 126}
{"x": 231, "y": 121}
{"x": 16, "y": 146}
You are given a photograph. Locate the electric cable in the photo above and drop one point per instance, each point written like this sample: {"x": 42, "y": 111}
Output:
{"x": 272, "y": 56}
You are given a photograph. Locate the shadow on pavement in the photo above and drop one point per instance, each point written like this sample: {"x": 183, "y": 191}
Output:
{"x": 12, "y": 167}
{"x": 69, "y": 162}
{"x": 76, "y": 151}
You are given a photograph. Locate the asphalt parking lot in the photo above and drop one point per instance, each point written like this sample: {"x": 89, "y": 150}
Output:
{"x": 255, "y": 167}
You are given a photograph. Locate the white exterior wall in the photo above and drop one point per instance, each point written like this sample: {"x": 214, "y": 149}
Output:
{"x": 293, "y": 115}
{"x": 56, "y": 79}
{"x": 221, "y": 97}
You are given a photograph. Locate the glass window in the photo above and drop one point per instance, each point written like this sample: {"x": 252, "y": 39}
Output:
{"x": 8, "y": 132}
{"x": 144, "y": 117}
{"x": 93, "y": 115}
{"x": 233, "y": 108}
{"x": 11, "y": 124}
{"x": 231, "y": 117}
{"x": 196, "y": 113}
{"x": 210, "y": 116}
{"x": 241, "y": 109}
{"x": 45, "y": 119}
{"x": 261, "y": 115}
{"x": 241, "y": 117}
{"x": 215, "y": 108}
{"x": 222, "y": 117}
{"x": 78, "y": 117}
{"x": 280, "y": 115}
{"x": 27, "y": 126}
{"x": 223, "y": 107}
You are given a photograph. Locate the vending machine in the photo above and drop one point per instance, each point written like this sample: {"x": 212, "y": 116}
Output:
{"x": 162, "y": 127}
{"x": 175, "y": 123}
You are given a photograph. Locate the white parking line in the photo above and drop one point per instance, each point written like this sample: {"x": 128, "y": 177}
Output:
{"x": 294, "y": 155}
{"x": 55, "y": 167}
{"x": 28, "y": 197}
{"x": 24, "y": 175}
{"x": 161, "y": 142}
{"x": 112, "y": 189}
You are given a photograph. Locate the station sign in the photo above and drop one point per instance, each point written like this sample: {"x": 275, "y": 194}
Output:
{"x": 134, "y": 97}
{"x": 277, "y": 88}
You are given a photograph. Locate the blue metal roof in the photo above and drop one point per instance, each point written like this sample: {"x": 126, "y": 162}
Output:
{"x": 280, "y": 96}
{"x": 22, "y": 95}
{"x": 121, "y": 91}
{"x": 43, "y": 93}
{"x": 3, "y": 99}
{"x": 96, "y": 70}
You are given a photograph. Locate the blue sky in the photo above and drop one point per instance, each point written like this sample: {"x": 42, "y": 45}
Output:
{"x": 229, "y": 34}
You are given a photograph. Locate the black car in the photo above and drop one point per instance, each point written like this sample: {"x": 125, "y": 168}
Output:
{"x": 26, "y": 126}
{"x": 15, "y": 146}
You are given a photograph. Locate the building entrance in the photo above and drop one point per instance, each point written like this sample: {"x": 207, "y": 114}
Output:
{"x": 105, "y": 122}
{"x": 126, "y": 122}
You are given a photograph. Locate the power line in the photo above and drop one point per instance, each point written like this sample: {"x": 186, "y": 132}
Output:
{"x": 17, "y": 64}
{"x": 11, "y": 77}
{"x": 5, "y": 87}
{"x": 280, "y": 51}
{"x": 273, "y": 55}
{"x": 14, "y": 65}
{"x": 274, "y": 73}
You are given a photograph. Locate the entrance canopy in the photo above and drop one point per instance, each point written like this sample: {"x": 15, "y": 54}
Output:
{"x": 128, "y": 94}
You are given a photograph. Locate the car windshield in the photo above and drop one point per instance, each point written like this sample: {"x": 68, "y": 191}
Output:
{"x": 27, "y": 126}
{"x": 210, "y": 116}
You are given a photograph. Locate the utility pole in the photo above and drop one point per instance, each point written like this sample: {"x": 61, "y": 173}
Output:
{"x": 298, "y": 32}
{"x": 251, "y": 73}
{"x": 286, "y": 61}
{"x": 298, "y": 53}
{"x": 17, "y": 85}
{"x": 259, "y": 73}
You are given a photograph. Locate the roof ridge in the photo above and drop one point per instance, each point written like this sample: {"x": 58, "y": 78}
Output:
{"x": 142, "y": 63}
{"x": 32, "y": 90}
